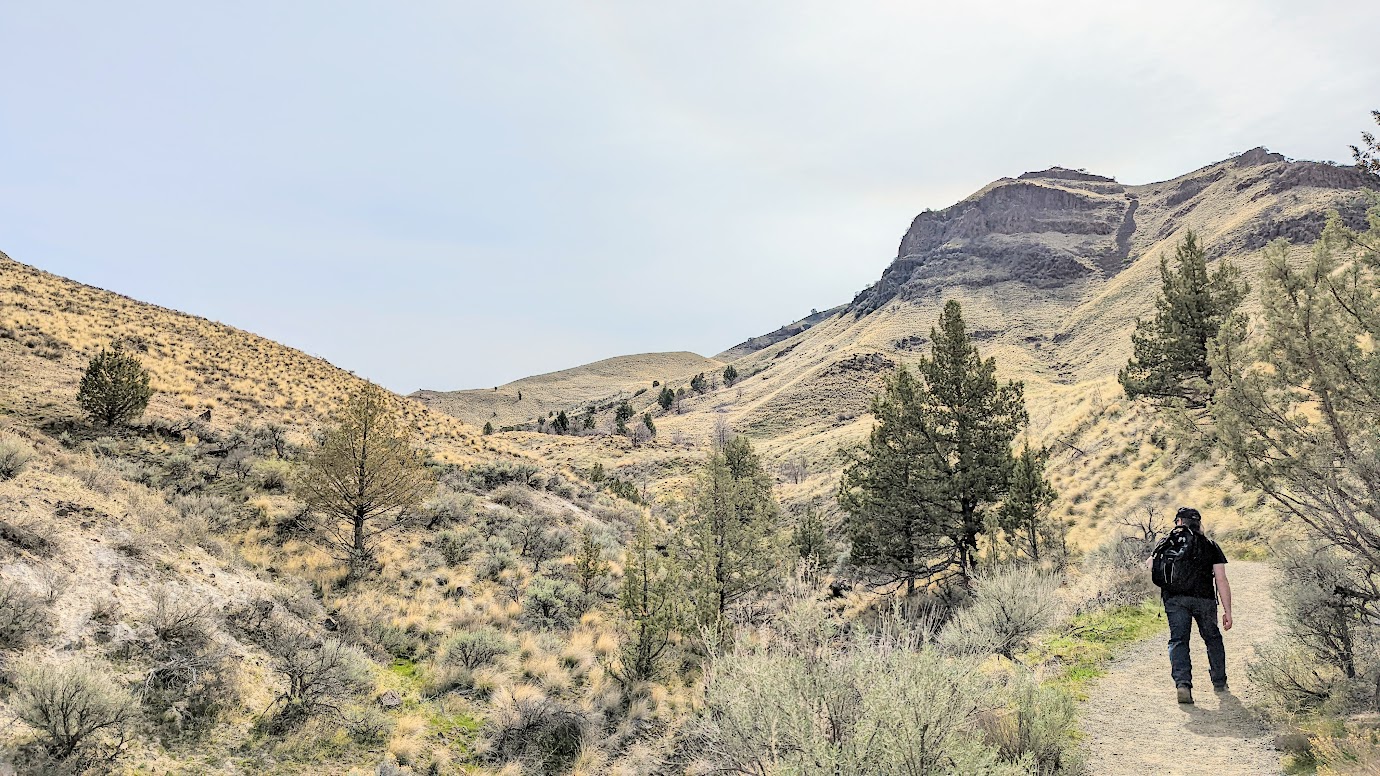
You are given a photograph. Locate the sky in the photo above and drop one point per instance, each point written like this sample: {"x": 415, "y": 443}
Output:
{"x": 453, "y": 195}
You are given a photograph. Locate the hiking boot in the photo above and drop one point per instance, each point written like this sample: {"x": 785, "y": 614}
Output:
{"x": 1185, "y": 694}
{"x": 1220, "y": 687}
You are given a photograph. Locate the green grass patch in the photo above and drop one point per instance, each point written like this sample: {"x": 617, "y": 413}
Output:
{"x": 1078, "y": 653}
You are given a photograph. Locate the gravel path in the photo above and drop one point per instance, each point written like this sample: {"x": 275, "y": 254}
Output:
{"x": 1132, "y": 724}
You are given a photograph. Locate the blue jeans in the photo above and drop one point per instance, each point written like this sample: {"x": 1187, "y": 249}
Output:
{"x": 1182, "y": 611}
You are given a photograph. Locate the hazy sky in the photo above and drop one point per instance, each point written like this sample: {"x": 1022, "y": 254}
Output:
{"x": 454, "y": 195}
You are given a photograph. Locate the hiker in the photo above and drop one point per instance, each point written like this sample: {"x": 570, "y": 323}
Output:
{"x": 1191, "y": 572}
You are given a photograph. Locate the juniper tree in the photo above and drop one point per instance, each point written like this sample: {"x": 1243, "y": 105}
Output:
{"x": 588, "y": 422}
{"x": 622, "y": 415}
{"x": 730, "y": 375}
{"x": 562, "y": 423}
{"x": 731, "y": 531}
{"x": 488, "y": 428}
{"x": 809, "y": 538}
{"x": 115, "y": 388}
{"x": 648, "y": 424}
{"x": 1024, "y": 515}
{"x": 666, "y": 397}
{"x": 589, "y": 561}
{"x": 1169, "y": 361}
{"x": 939, "y": 456}
{"x": 699, "y": 384}
{"x": 363, "y": 478}
{"x": 650, "y": 605}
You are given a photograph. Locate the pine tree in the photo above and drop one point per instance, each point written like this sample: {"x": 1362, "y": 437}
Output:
{"x": 733, "y": 547}
{"x": 1367, "y": 155}
{"x": 488, "y": 428}
{"x": 666, "y": 397}
{"x": 650, "y": 605}
{"x": 1298, "y": 397}
{"x": 115, "y": 388}
{"x": 938, "y": 457}
{"x": 647, "y": 422}
{"x": 562, "y": 423}
{"x": 1024, "y": 515}
{"x": 589, "y": 418}
{"x": 1169, "y": 362}
{"x": 363, "y": 478}
{"x": 699, "y": 384}
{"x": 730, "y": 375}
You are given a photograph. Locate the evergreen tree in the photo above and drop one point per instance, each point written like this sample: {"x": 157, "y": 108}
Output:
{"x": 488, "y": 428}
{"x": 809, "y": 538}
{"x": 731, "y": 531}
{"x": 666, "y": 397}
{"x": 589, "y": 418}
{"x": 1169, "y": 362}
{"x": 562, "y": 423}
{"x": 730, "y": 375}
{"x": 115, "y": 388}
{"x": 622, "y": 415}
{"x": 1367, "y": 155}
{"x": 1298, "y": 397}
{"x": 699, "y": 384}
{"x": 650, "y": 606}
{"x": 1024, "y": 515}
{"x": 589, "y": 561}
{"x": 647, "y": 421}
{"x": 938, "y": 457}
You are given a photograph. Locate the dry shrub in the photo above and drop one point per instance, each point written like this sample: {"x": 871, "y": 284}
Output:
{"x": 15, "y": 454}
{"x": 545, "y": 735}
{"x": 25, "y": 618}
{"x": 1008, "y": 608}
{"x": 806, "y": 698}
{"x": 83, "y": 717}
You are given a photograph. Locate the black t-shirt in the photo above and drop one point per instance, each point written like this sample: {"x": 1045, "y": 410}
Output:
{"x": 1206, "y": 586}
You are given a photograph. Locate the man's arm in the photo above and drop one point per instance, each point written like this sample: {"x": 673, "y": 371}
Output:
{"x": 1219, "y": 570}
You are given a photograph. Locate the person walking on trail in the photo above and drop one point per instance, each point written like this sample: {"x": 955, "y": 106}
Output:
{"x": 1191, "y": 572}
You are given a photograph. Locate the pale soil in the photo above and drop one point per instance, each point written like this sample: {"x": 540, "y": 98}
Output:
{"x": 1133, "y": 725}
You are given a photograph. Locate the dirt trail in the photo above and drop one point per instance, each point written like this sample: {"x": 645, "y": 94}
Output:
{"x": 1133, "y": 726}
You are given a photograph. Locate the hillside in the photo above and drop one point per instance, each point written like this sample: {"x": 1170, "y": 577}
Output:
{"x": 50, "y": 326}
{"x": 571, "y": 390}
{"x": 1052, "y": 269}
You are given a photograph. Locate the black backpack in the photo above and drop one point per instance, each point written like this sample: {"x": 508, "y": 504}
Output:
{"x": 1177, "y": 564}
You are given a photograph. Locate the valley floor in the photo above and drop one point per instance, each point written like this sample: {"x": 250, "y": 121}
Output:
{"x": 1132, "y": 724}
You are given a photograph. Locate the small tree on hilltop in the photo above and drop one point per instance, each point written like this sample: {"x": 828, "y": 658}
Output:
{"x": 115, "y": 388}
{"x": 363, "y": 478}
{"x": 730, "y": 375}
{"x": 1169, "y": 365}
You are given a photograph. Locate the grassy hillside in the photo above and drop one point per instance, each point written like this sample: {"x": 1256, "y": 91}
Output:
{"x": 569, "y": 390}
